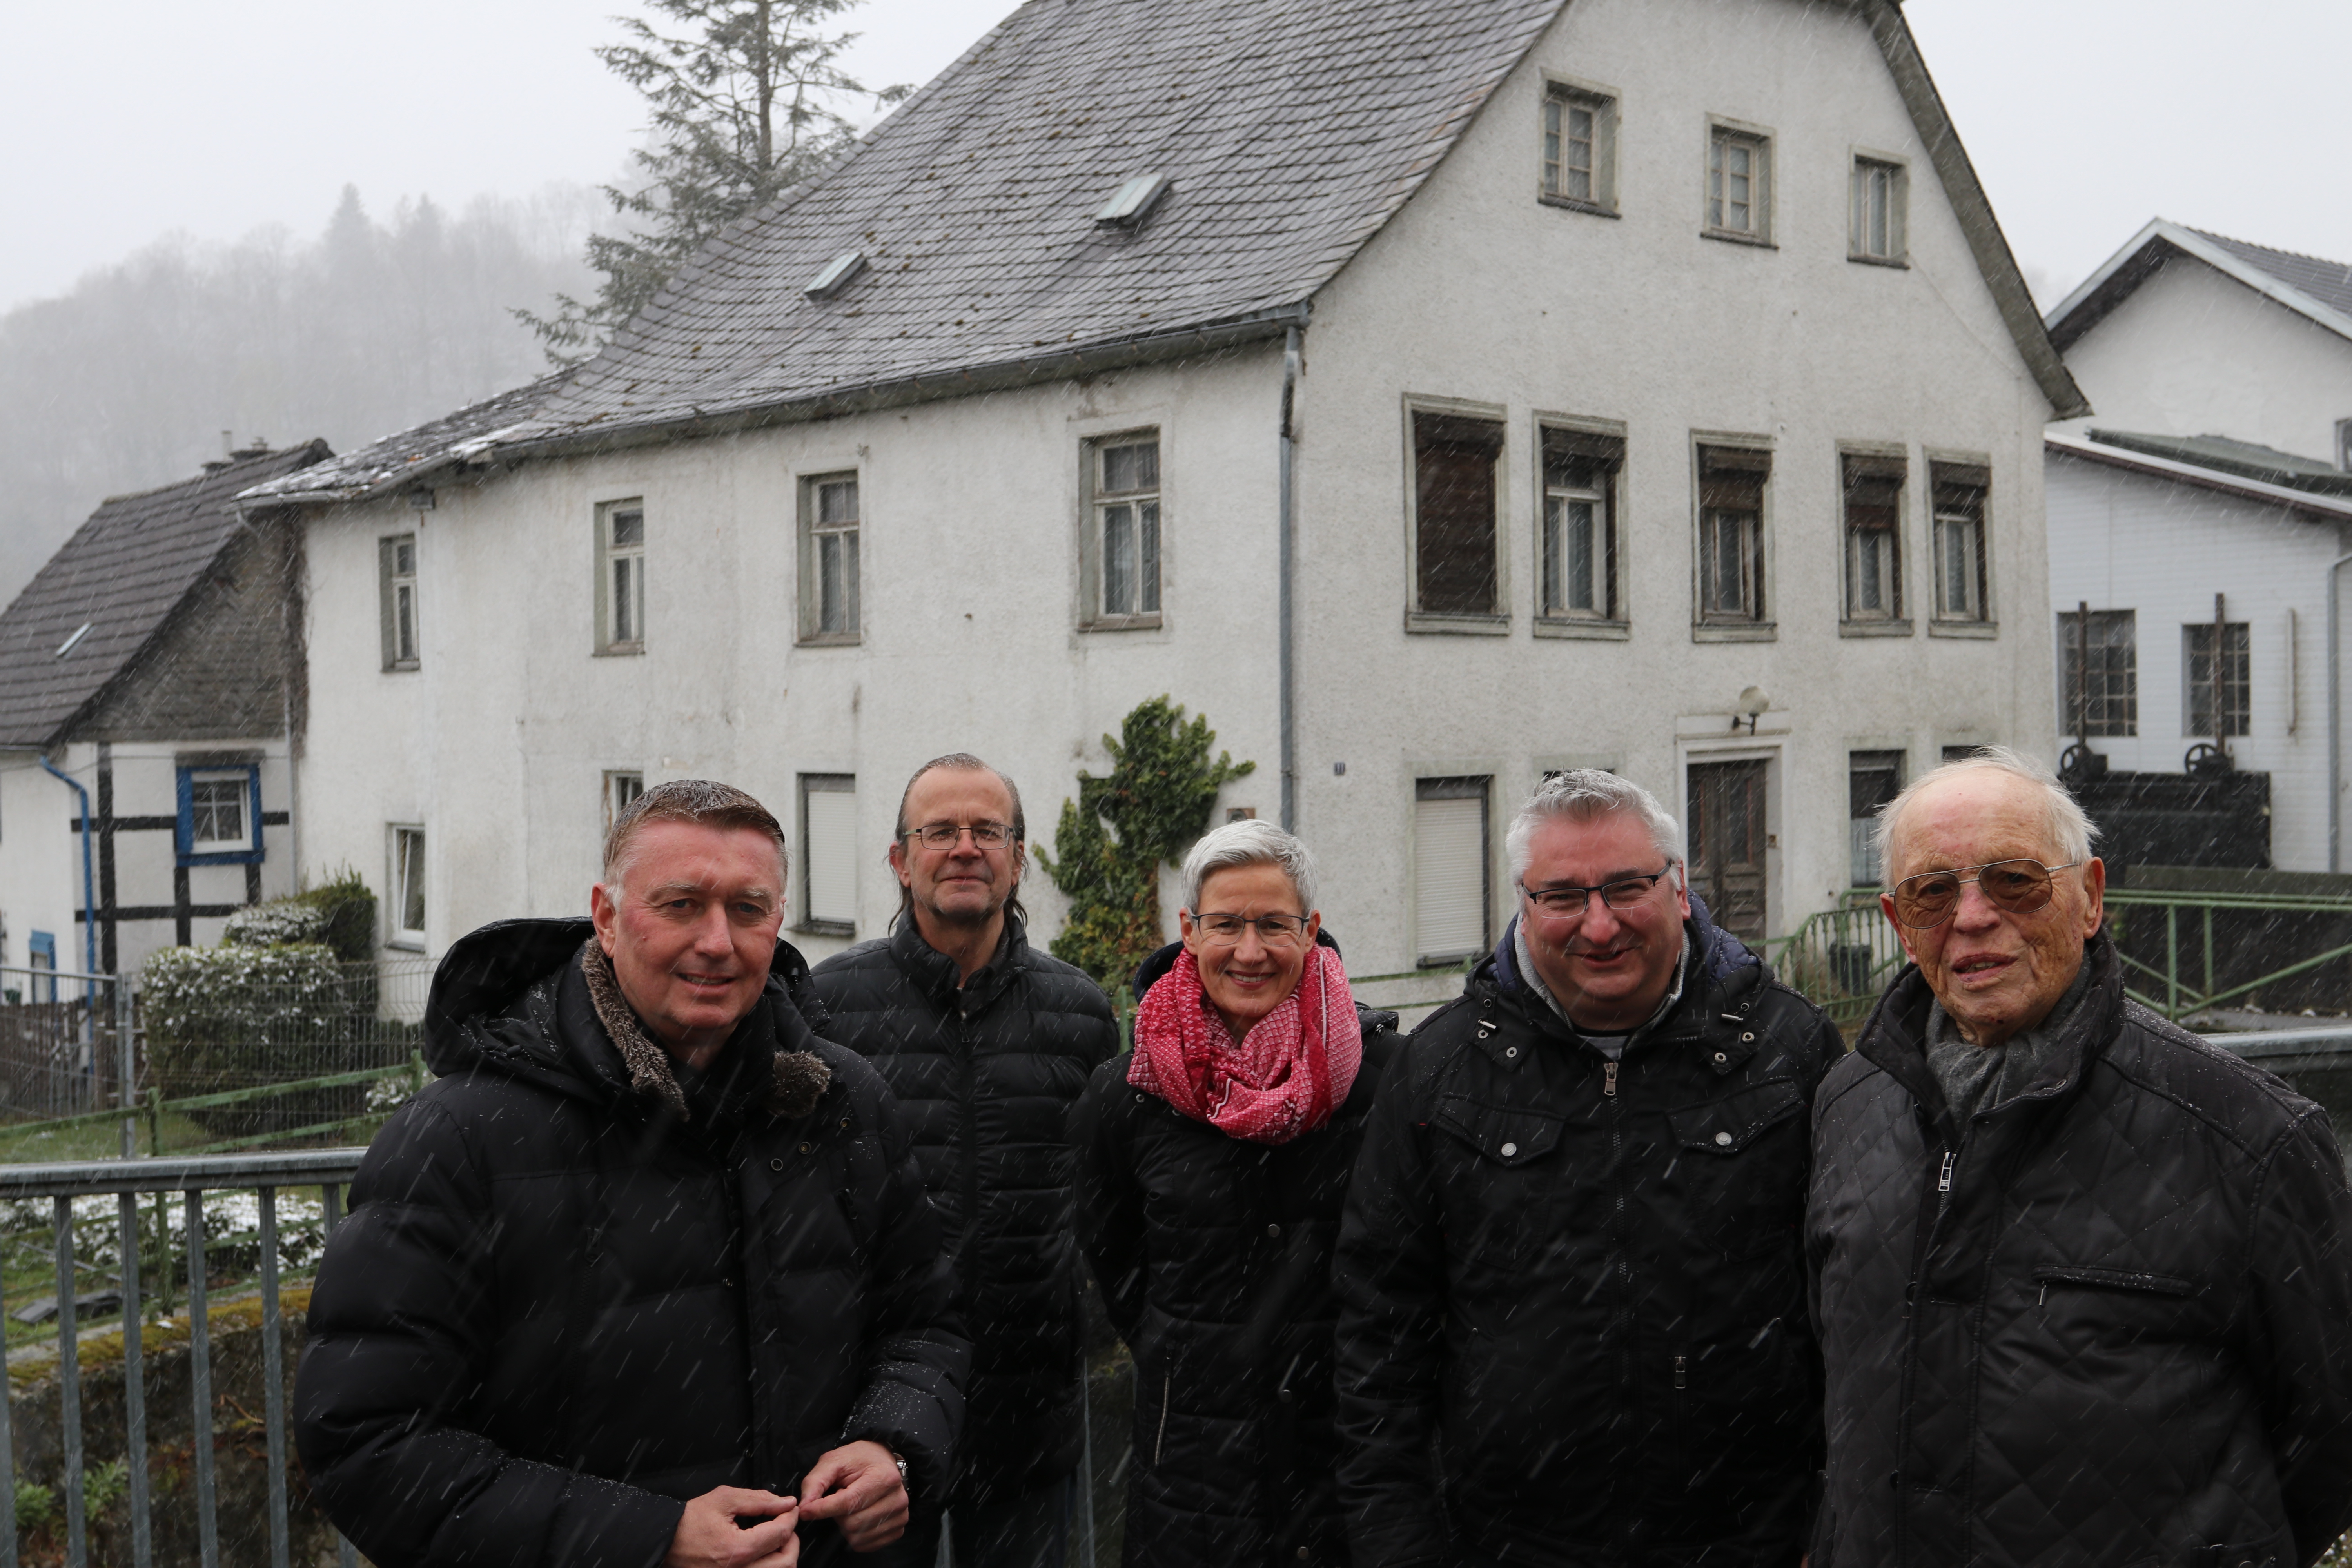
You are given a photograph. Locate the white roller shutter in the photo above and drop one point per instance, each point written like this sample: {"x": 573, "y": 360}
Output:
{"x": 829, "y": 854}
{"x": 1449, "y": 863}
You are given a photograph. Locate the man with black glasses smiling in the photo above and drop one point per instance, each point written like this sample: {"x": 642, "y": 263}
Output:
{"x": 1571, "y": 1252}
{"x": 2083, "y": 1284}
{"x": 985, "y": 1041}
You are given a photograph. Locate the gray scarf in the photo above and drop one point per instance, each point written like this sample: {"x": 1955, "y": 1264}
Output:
{"x": 1972, "y": 1076}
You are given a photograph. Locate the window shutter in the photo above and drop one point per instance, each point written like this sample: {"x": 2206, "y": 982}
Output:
{"x": 1449, "y": 876}
{"x": 830, "y": 857}
{"x": 1453, "y": 507}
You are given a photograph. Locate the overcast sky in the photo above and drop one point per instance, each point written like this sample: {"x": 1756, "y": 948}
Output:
{"x": 130, "y": 120}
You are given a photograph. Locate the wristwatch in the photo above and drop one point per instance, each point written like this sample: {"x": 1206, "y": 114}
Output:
{"x": 904, "y": 1479}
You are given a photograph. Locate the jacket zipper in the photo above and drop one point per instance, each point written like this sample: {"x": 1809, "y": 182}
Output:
{"x": 1160, "y": 1442}
{"x": 1944, "y": 1176}
{"x": 1609, "y": 1079}
{"x": 1681, "y": 1373}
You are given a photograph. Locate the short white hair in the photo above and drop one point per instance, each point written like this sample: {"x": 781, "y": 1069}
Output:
{"x": 1249, "y": 843}
{"x": 2068, "y": 827}
{"x": 1581, "y": 795}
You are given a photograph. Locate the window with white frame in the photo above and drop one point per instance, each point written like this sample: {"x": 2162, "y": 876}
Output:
{"x": 1962, "y": 580}
{"x": 2098, "y": 672}
{"x": 1878, "y": 196}
{"x": 621, "y": 577}
{"x": 1577, "y": 538}
{"x": 1457, "y": 494}
{"x": 1738, "y": 185}
{"x": 829, "y": 853}
{"x": 405, "y": 914}
{"x": 396, "y": 573}
{"x": 1873, "y": 780}
{"x": 1580, "y": 148}
{"x": 620, "y": 789}
{"x": 2219, "y": 690}
{"x": 1450, "y": 868}
{"x": 1121, "y": 550}
{"x": 830, "y": 521}
{"x": 1731, "y": 481}
{"x": 1872, "y": 491}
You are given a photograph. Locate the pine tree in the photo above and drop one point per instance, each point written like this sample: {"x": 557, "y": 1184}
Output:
{"x": 742, "y": 101}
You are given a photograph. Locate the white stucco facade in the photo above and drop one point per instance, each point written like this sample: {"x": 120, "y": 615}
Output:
{"x": 1479, "y": 297}
{"x": 2125, "y": 540}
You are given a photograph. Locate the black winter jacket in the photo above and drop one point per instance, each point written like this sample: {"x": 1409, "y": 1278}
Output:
{"x": 986, "y": 1075}
{"x": 1214, "y": 1258}
{"x": 2124, "y": 1336}
{"x": 1584, "y": 1279}
{"x": 557, "y": 1310}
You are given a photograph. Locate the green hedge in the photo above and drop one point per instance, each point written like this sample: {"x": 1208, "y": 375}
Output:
{"x": 221, "y": 1018}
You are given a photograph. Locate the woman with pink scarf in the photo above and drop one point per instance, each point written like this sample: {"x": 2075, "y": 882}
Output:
{"x": 1212, "y": 1163}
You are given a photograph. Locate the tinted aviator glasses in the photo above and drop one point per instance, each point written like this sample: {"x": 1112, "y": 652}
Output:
{"x": 2021, "y": 886}
{"x": 944, "y": 835}
{"x": 1623, "y": 893}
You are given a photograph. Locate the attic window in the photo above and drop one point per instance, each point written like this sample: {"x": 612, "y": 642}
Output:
{"x": 1133, "y": 202}
{"x": 80, "y": 632}
{"x": 836, "y": 275}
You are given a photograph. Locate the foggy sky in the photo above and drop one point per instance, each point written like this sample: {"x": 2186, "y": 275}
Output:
{"x": 124, "y": 122}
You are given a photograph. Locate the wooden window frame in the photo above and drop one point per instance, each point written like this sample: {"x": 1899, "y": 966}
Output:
{"x": 1717, "y": 461}
{"x": 814, "y": 529}
{"x": 1715, "y": 210}
{"x": 402, "y": 858}
{"x": 396, "y": 594}
{"x": 612, "y": 604}
{"x": 1095, "y": 503}
{"x": 2228, "y": 689}
{"x": 1859, "y": 468}
{"x": 1947, "y": 479}
{"x": 1561, "y": 442}
{"x": 2109, "y": 709}
{"x": 1561, "y": 100}
{"x": 1459, "y": 426}
{"x": 1893, "y": 176}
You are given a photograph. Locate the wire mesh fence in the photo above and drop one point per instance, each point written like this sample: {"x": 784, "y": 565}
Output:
{"x": 60, "y": 1042}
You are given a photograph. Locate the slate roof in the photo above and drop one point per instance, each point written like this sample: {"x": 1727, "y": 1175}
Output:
{"x": 1292, "y": 128}
{"x": 2244, "y": 459}
{"x": 2319, "y": 289}
{"x": 123, "y": 574}
{"x": 2329, "y": 282}
{"x": 386, "y": 464}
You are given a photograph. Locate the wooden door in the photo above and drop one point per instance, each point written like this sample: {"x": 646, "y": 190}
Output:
{"x": 1726, "y": 818}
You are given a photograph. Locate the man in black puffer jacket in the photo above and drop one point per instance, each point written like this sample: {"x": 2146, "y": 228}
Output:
{"x": 2084, "y": 1280}
{"x": 986, "y": 1042}
{"x": 649, "y": 1259}
{"x": 1571, "y": 1255}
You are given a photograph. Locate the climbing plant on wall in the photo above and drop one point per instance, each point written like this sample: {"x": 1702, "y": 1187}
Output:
{"x": 1111, "y": 841}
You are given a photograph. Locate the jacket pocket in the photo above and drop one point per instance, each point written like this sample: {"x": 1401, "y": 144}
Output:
{"x": 1740, "y": 1161}
{"x": 1496, "y": 1200}
{"x": 2113, "y": 1279}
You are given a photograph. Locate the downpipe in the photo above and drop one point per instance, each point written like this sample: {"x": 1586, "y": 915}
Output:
{"x": 2335, "y": 714}
{"x": 89, "y": 882}
{"x": 1287, "y": 673}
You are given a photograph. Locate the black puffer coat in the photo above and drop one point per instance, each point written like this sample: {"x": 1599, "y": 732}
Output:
{"x": 557, "y": 1310}
{"x": 1214, "y": 1259}
{"x": 2124, "y": 1336}
{"x": 1584, "y": 1278}
{"x": 987, "y": 1074}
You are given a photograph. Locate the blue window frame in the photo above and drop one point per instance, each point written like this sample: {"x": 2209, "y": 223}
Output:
{"x": 41, "y": 953}
{"x": 220, "y": 815}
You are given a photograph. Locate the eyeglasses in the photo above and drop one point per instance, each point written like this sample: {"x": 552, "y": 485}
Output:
{"x": 1623, "y": 893}
{"x": 1926, "y": 900}
{"x": 944, "y": 835}
{"x": 1275, "y": 930}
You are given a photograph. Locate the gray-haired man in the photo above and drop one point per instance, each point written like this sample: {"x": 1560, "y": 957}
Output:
{"x": 1570, "y": 1249}
{"x": 2084, "y": 1292}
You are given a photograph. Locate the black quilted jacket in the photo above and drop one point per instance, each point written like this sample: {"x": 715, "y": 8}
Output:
{"x": 1214, "y": 1258}
{"x": 1583, "y": 1281}
{"x": 986, "y": 1076}
{"x": 556, "y": 1310}
{"x": 2123, "y": 1336}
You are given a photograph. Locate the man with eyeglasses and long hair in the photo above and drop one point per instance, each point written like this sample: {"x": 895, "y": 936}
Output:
{"x": 985, "y": 1041}
{"x": 1572, "y": 1328}
{"x": 2082, "y": 1280}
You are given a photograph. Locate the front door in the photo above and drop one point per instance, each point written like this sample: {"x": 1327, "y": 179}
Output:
{"x": 1727, "y": 845}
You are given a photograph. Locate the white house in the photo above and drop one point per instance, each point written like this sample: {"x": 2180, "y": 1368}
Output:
{"x": 1434, "y": 393}
{"x": 2207, "y": 509}
{"x": 148, "y": 683}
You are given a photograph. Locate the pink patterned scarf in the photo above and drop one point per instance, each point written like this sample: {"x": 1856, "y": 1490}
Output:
{"x": 1286, "y": 1076}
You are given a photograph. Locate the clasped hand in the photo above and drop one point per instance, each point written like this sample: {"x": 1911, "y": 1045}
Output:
{"x": 857, "y": 1484}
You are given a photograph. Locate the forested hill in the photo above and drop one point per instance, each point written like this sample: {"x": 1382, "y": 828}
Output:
{"x": 128, "y": 380}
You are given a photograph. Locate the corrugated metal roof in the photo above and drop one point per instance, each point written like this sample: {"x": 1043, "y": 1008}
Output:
{"x": 1291, "y": 130}
{"x": 121, "y": 575}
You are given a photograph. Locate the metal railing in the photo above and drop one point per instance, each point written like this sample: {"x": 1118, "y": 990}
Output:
{"x": 265, "y": 1176}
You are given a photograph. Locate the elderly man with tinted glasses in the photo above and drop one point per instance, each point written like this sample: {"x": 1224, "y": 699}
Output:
{"x": 2081, "y": 1278}
{"x": 986, "y": 1041}
{"x": 1571, "y": 1252}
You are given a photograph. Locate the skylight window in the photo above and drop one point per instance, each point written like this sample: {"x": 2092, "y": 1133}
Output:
{"x": 80, "y": 632}
{"x": 836, "y": 275}
{"x": 1133, "y": 202}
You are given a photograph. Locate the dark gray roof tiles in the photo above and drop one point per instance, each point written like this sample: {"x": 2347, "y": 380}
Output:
{"x": 1293, "y": 130}
{"x": 2227, "y": 455}
{"x": 2329, "y": 282}
{"x": 382, "y": 465}
{"x": 121, "y": 575}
